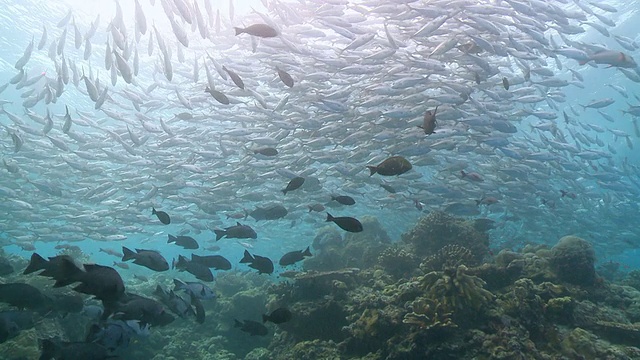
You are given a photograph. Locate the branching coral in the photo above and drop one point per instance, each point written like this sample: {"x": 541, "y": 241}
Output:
{"x": 455, "y": 289}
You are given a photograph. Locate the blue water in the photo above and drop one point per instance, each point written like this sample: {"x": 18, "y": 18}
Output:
{"x": 607, "y": 217}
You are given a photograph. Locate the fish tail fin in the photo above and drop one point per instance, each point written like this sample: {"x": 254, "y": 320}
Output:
{"x": 462, "y": 173}
{"x": 238, "y": 30}
{"x": 36, "y": 263}
{"x": 153, "y": 211}
{"x": 178, "y": 285}
{"x": 329, "y": 218}
{"x": 247, "y": 258}
{"x": 128, "y": 254}
{"x": 220, "y": 234}
{"x": 172, "y": 239}
{"x": 564, "y": 193}
{"x": 306, "y": 252}
{"x": 372, "y": 169}
{"x": 236, "y": 323}
{"x": 265, "y": 318}
{"x": 284, "y": 191}
{"x": 478, "y": 202}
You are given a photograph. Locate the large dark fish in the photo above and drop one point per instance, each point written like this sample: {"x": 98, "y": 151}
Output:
{"x": 237, "y": 231}
{"x": 251, "y": 327}
{"x": 294, "y": 184}
{"x": 293, "y": 257}
{"x": 344, "y": 199}
{"x": 217, "y": 262}
{"x": 197, "y": 269}
{"x": 263, "y": 264}
{"x": 162, "y": 216}
{"x": 23, "y": 296}
{"x": 103, "y": 282}
{"x": 278, "y": 316}
{"x": 145, "y": 310}
{"x": 346, "y": 223}
{"x": 148, "y": 258}
{"x": 395, "y": 165}
{"x": 186, "y": 242}
{"x": 259, "y": 30}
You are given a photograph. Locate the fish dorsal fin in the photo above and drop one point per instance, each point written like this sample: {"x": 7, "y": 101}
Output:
{"x": 238, "y": 223}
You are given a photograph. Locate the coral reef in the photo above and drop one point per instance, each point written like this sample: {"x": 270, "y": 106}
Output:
{"x": 439, "y": 229}
{"x": 573, "y": 259}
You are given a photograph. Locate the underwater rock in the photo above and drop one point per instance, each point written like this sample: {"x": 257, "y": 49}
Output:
{"x": 439, "y": 229}
{"x": 573, "y": 259}
{"x": 373, "y": 232}
{"x": 398, "y": 261}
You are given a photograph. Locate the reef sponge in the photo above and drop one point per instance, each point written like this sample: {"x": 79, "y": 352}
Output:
{"x": 439, "y": 229}
{"x": 455, "y": 289}
{"x": 573, "y": 261}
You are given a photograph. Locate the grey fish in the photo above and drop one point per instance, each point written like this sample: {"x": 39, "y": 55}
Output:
{"x": 148, "y": 258}
{"x": 259, "y": 30}
{"x": 237, "y": 231}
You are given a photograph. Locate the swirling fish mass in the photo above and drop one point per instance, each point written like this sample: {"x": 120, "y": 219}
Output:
{"x": 158, "y": 155}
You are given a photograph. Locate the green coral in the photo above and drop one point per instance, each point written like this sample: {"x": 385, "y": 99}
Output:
{"x": 397, "y": 261}
{"x": 450, "y": 256}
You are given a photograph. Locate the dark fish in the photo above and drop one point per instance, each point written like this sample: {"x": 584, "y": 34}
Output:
{"x": 294, "y": 256}
{"x": 346, "y": 223}
{"x": 294, "y": 184}
{"x": 199, "y": 290}
{"x": 5, "y": 267}
{"x": 266, "y": 151}
{"x": 568, "y": 194}
{"x": 186, "y": 242}
{"x": 173, "y": 302}
{"x": 285, "y": 77}
{"x": 23, "y": 296}
{"x": 259, "y": 30}
{"x": 103, "y": 282}
{"x": 237, "y": 231}
{"x": 198, "y": 270}
{"x": 271, "y": 212}
{"x": 344, "y": 199}
{"x": 148, "y": 258}
{"x": 505, "y": 83}
{"x": 220, "y": 97}
{"x": 51, "y": 267}
{"x": 263, "y": 264}
{"x": 217, "y": 262}
{"x": 251, "y": 327}
{"x": 200, "y": 314}
{"x": 113, "y": 334}
{"x": 278, "y": 316}
{"x": 162, "y": 216}
{"x": 429, "y": 124}
{"x": 12, "y": 322}
{"x": 52, "y": 348}
{"x": 395, "y": 165}
{"x": 145, "y": 310}
{"x": 234, "y": 77}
